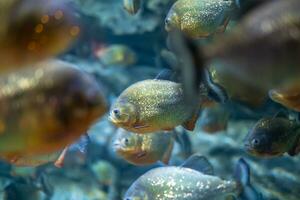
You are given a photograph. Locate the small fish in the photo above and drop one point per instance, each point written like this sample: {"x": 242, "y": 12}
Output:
{"x": 214, "y": 119}
{"x": 46, "y": 108}
{"x": 200, "y": 18}
{"x": 274, "y": 136}
{"x": 153, "y": 105}
{"x": 132, "y": 6}
{"x": 144, "y": 149}
{"x": 288, "y": 96}
{"x": 116, "y": 55}
{"x": 32, "y": 31}
{"x": 193, "y": 180}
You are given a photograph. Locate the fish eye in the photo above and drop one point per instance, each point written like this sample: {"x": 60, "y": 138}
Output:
{"x": 126, "y": 141}
{"x": 167, "y": 21}
{"x": 255, "y": 142}
{"x": 116, "y": 112}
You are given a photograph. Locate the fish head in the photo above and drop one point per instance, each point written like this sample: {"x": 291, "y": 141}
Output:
{"x": 123, "y": 114}
{"x": 125, "y": 142}
{"x": 172, "y": 20}
{"x": 137, "y": 192}
{"x": 265, "y": 139}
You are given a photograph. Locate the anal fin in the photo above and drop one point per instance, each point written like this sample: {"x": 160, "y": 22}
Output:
{"x": 191, "y": 123}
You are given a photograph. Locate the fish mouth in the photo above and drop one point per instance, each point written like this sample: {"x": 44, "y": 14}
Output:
{"x": 113, "y": 119}
{"x": 249, "y": 149}
{"x": 117, "y": 146}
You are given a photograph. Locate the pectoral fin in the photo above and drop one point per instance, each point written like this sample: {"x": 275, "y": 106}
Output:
{"x": 167, "y": 155}
{"x": 140, "y": 126}
{"x": 60, "y": 161}
{"x": 141, "y": 154}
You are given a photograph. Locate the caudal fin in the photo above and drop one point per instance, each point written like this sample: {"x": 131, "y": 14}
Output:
{"x": 242, "y": 176}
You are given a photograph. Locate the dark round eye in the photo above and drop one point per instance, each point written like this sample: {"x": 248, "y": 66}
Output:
{"x": 116, "y": 112}
{"x": 255, "y": 142}
{"x": 126, "y": 140}
{"x": 167, "y": 21}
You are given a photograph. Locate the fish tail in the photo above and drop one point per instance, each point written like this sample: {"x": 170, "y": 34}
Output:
{"x": 245, "y": 189}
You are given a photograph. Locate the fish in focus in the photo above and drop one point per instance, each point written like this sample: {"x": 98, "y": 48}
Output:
{"x": 214, "y": 119}
{"x": 274, "y": 136}
{"x": 153, "y": 105}
{"x": 288, "y": 96}
{"x": 144, "y": 149}
{"x": 200, "y": 18}
{"x": 116, "y": 55}
{"x": 46, "y": 108}
{"x": 132, "y": 6}
{"x": 193, "y": 180}
{"x": 32, "y": 31}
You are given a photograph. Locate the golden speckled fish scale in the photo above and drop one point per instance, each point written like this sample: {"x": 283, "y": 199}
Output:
{"x": 202, "y": 17}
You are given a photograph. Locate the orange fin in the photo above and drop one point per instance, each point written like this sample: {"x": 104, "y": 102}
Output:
{"x": 223, "y": 27}
{"x": 60, "y": 161}
{"x": 167, "y": 155}
{"x": 191, "y": 123}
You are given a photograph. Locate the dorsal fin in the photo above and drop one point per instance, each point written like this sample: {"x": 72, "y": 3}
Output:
{"x": 199, "y": 163}
{"x": 282, "y": 114}
{"x": 166, "y": 74}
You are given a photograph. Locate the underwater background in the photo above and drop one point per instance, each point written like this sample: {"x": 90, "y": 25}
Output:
{"x": 119, "y": 49}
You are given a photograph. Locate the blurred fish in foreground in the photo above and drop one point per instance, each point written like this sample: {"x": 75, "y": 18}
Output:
{"x": 44, "y": 109}
{"x": 200, "y": 18}
{"x": 144, "y": 149}
{"x": 34, "y": 30}
{"x": 267, "y": 42}
{"x": 274, "y": 136}
{"x": 57, "y": 158}
{"x": 116, "y": 55}
{"x": 193, "y": 180}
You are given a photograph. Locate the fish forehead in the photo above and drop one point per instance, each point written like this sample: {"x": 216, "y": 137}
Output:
{"x": 196, "y": 6}
{"x": 179, "y": 183}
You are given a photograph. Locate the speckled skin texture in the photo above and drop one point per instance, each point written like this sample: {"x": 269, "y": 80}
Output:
{"x": 177, "y": 183}
{"x": 274, "y": 137}
{"x": 199, "y": 18}
{"x": 143, "y": 149}
{"x": 158, "y": 105}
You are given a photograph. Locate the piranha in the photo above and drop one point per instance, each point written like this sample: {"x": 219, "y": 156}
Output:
{"x": 265, "y": 42}
{"x": 132, "y": 6}
{"x": 200, "y": 18}
{"x": 274, "y": 136}
{"x": 159, "y": 105}
{"x": 266, "y": 30}
{"x": 214, "y": 119}
{"x": 144, "y": 149}
{"x": 32, "y": 31}
{"x": 46, "y": 108}
{"x": 193, "y": 180}
{"x": 116, "y": 55}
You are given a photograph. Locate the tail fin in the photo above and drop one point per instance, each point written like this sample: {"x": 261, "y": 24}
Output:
{"x": 242, "y": 176}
